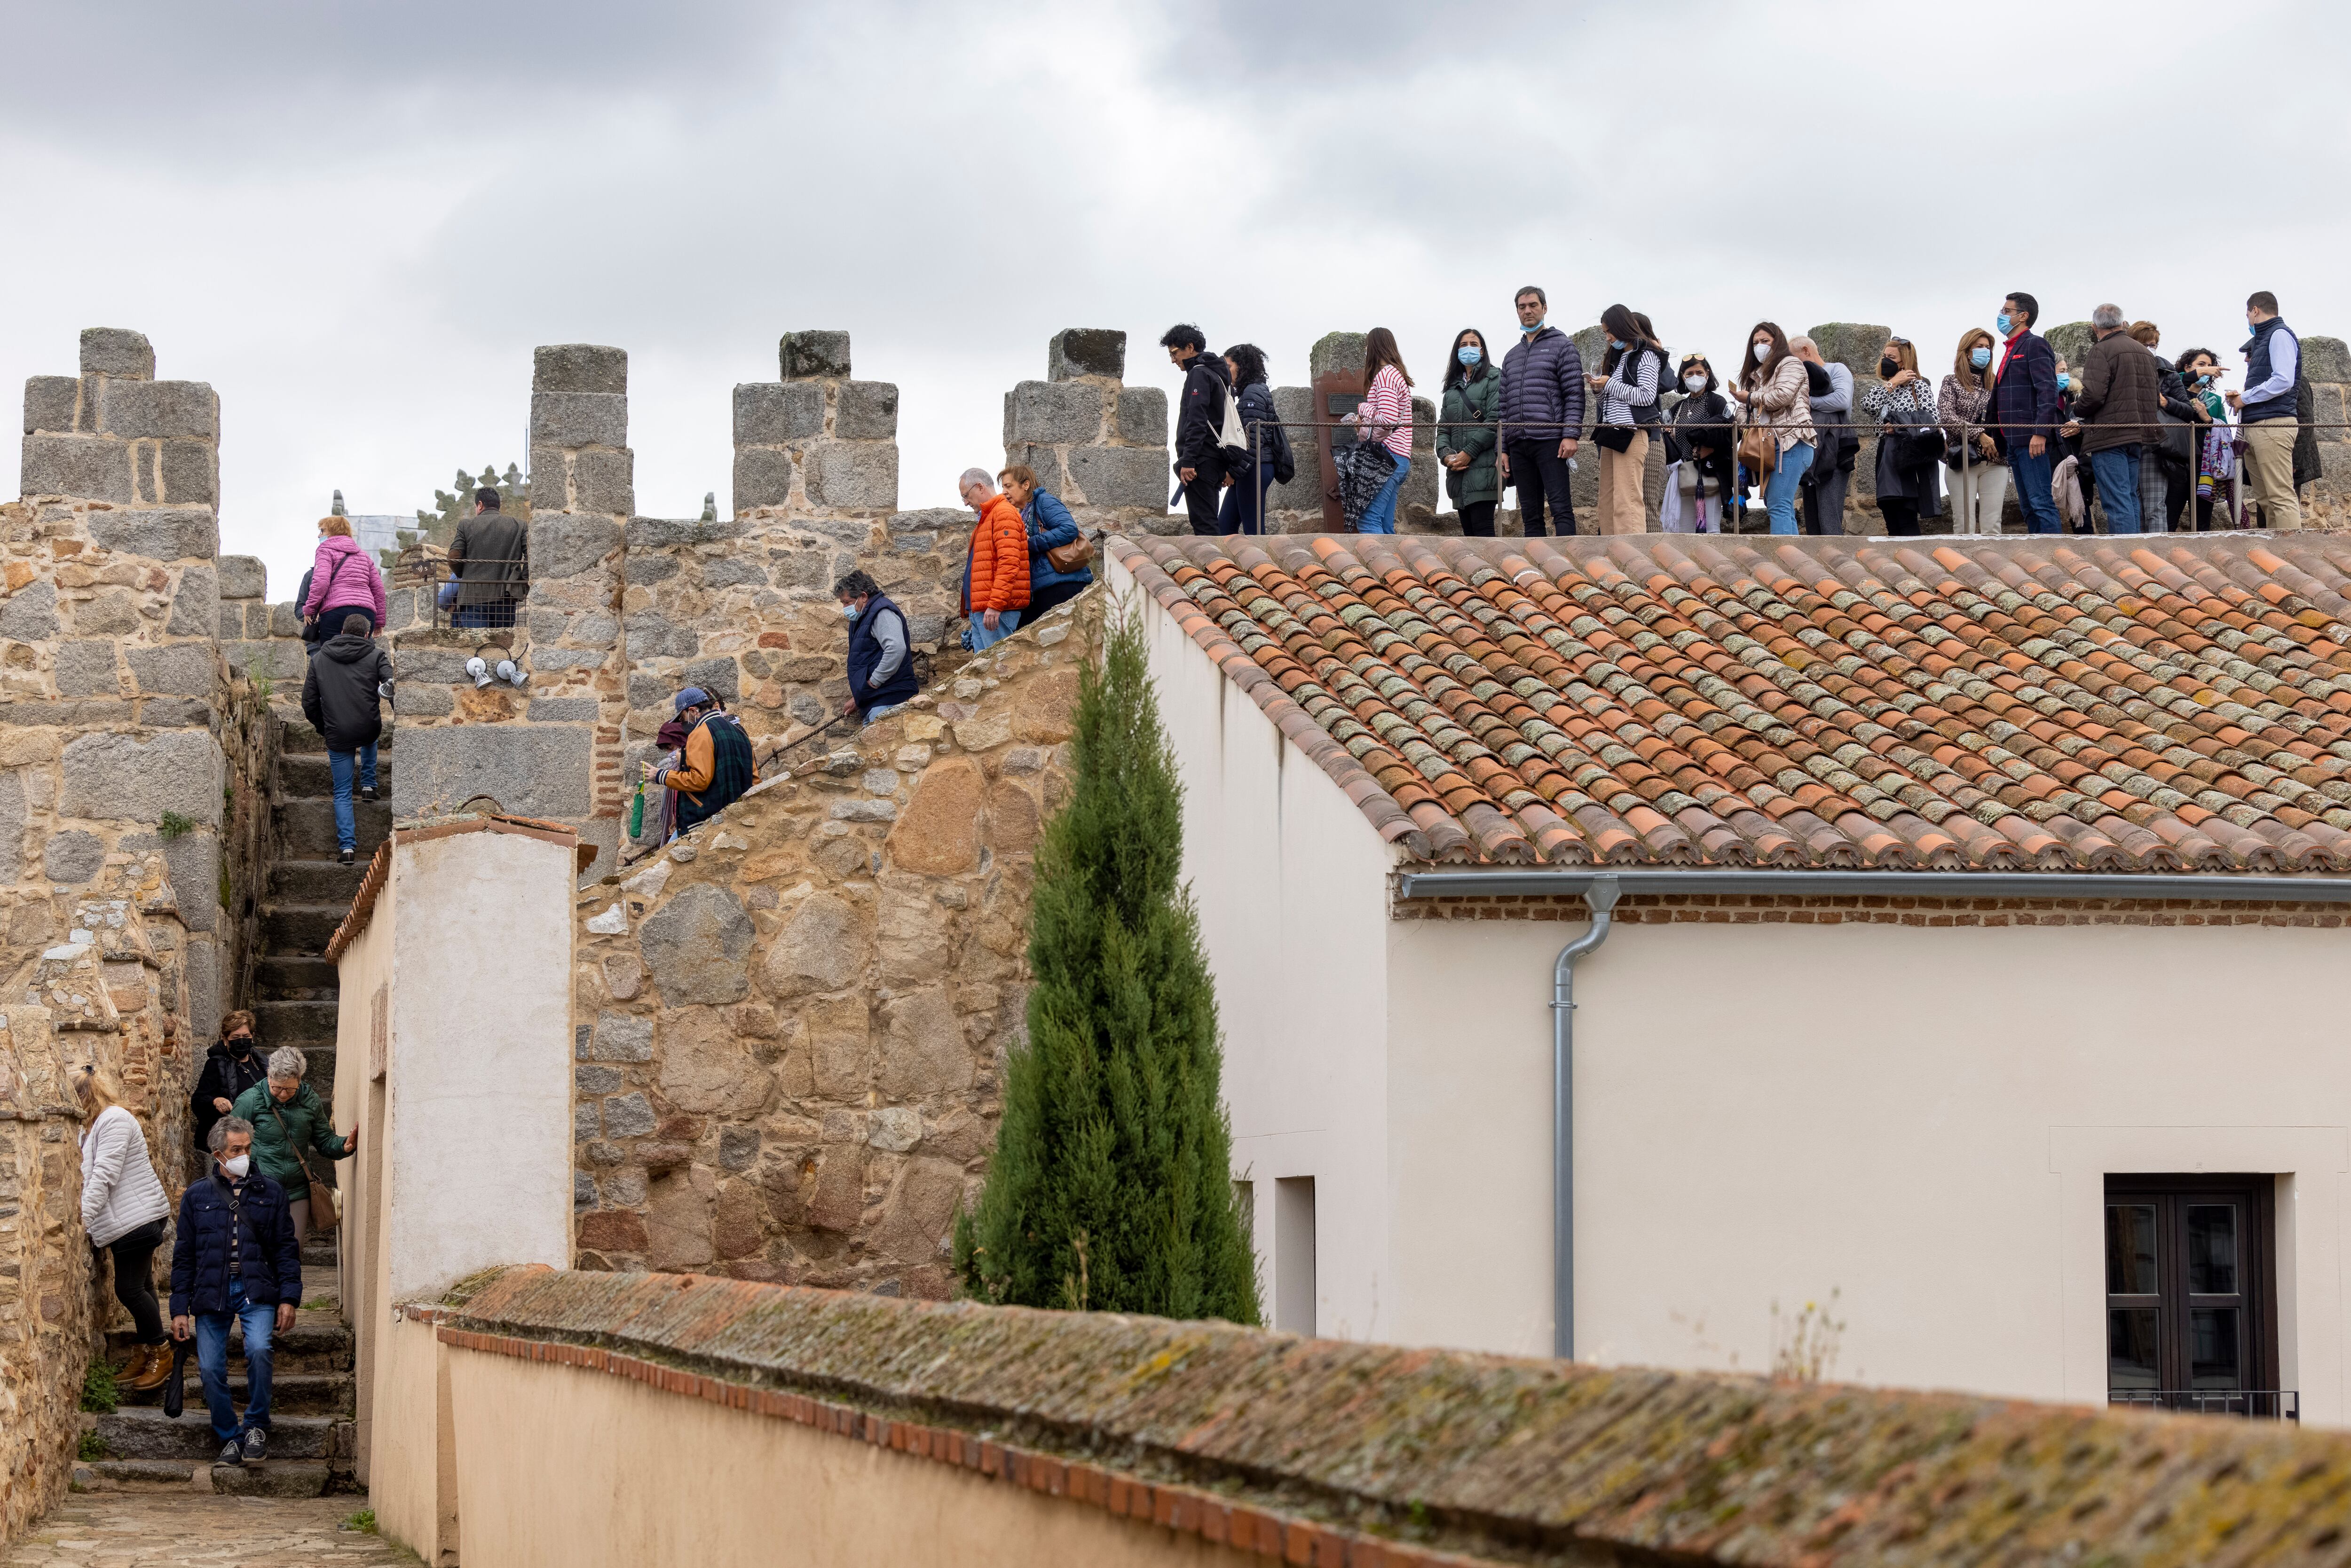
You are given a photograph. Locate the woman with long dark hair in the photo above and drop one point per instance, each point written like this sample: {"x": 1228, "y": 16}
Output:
{"x": 1909, "y": 440}
{"x": 1466, "y": 433}
{"x": 1243, "y": 511}
{"x": 1772, "y": 388}
{"x": 1633, "y": 373}
{"x": 1385, "y": 418}
{"x": 1707, "y": 443}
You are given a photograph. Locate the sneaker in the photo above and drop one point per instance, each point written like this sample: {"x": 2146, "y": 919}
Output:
{"x": 367, "y": 792}
{"x": 256, "y": 1446}
{"x": 232, "y": 1453}
{"x": 347, "y": 857}
{"x": 509, "y": 675}
{"x": 479, "y": 671}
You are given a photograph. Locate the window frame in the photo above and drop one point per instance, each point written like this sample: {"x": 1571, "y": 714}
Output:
{"x": 2257, "y": 1275}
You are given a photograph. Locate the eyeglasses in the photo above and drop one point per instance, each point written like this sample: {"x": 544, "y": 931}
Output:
{"x": 1898, "y": 342}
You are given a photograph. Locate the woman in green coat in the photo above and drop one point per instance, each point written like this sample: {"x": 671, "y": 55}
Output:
{"x": 288, "y": 1114}
{"x": 1465, "y": 433}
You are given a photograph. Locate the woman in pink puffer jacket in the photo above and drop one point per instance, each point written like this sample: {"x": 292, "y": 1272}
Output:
{"x": 343, "y": 582}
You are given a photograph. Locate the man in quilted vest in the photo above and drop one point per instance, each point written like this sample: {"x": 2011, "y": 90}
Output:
{"x": 995, "y": 564}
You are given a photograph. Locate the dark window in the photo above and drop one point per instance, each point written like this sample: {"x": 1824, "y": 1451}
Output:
{"x": 2191, "y": 1295}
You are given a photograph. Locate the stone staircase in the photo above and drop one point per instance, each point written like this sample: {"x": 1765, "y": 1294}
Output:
{"x": 311, "y": 1438}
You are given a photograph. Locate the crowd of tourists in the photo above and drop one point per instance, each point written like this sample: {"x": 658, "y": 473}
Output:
{"x": 2127, "y": 439}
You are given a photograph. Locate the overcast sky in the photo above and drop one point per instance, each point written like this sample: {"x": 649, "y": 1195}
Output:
{"x": 356, "y": 220}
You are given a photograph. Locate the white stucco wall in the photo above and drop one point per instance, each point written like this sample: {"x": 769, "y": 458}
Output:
{"x": 1921, "y": 1119}
{"x": 1290, "y": 883}
{"x": 478, "y": 1087}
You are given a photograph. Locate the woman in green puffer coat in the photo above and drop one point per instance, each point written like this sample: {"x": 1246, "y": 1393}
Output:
{"x": 288, "y": 1114}
{"x": 1466, "y": 433}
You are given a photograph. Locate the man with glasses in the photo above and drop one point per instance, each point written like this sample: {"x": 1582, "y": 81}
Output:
{"x": 1543, "y": 415}
{"x": 1199, "y": 456}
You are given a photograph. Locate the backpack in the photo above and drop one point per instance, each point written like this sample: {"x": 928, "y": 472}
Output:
{"x": 1232, "y": 441}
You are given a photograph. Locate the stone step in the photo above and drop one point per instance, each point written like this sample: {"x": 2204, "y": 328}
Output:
{"x": 306, "y": 828}
{"x": 144, "y": 1432}
{"x": 300, "y": 928}
{"x": 290, "y": 1393}
{"x": 318, "y": 1344}
{"x": 315, "y": 882}
{"x": 307, "y": 1024}
{"x": 294, "y": 977}
{"x": 299, "y": 738}
{"x": 310, "y": 775}
{"x": 272, "y": 1477}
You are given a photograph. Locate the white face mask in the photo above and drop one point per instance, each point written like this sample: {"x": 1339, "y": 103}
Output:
{"x": 1695, "y": 383}
{"x": 1762, "y": 352}
{"x": 237, "y": 1167}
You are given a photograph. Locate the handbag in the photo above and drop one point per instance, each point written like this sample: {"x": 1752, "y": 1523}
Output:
{"x": 326, "y": 1208}
{"x": 1615, "y": 437}
{"x": 1071, "y": 556}
{"x": 1759, "y": 450}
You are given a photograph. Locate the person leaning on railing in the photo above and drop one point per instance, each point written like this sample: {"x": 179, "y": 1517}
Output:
{"x": 490, "y": 557}
{"x": 1979, "y": 479}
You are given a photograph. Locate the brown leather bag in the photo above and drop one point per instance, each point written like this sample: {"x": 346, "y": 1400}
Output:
{"x": 1759, "y": 449}
{"x": 326, "y": 1208}
{"x": 1069, "y": 556}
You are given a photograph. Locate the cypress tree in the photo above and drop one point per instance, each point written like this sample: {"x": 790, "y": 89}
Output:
{"x": 1112, "y": 1189}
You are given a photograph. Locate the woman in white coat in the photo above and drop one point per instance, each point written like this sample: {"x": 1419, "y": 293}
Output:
{"x": 124, "y": 1210}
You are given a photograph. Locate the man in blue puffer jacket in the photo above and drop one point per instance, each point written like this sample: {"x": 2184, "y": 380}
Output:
{"x": 1543, "y": 415}
{"x": 234, "y": 1260}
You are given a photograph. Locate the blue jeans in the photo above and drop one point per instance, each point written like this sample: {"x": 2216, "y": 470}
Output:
{"x": 212, "y": 1360}
{"x": 1008, "y": 621}
{"x": 2117, "y": 474}
{"x": 347, "y": 831}
{"x": 2031, "y": 475}
{"x": 1235, "y": 515}
{"x": 1780, "y": 490}
{"x": 1379, "y": 518}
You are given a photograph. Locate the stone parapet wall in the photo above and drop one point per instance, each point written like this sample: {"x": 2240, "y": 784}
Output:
{"x": 791, "y": 1027}
{"x": 1095, "y": 442}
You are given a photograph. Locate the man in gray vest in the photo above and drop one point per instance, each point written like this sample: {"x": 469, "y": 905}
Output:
{"x": 2273, "y": 369}
{"x": 489, "y": 557}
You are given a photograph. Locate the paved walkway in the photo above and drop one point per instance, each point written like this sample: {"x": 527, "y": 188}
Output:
{"x": 162, "y": 1529}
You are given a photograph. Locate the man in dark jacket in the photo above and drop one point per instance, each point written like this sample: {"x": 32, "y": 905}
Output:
{"x": 231, "y": 1066}
{"x": 340, "y": 697}
{"x": 716, "y": 768}
{"x": 881, "y": 673}
{"x": 2024, "y": 416}
{"x": 234, "y": 1260}
{"x": 1543, "y": 415}
{"x": 490, "y": 557}
{"x": 1199, "y": 455}
{"x": 2119, "y": 401}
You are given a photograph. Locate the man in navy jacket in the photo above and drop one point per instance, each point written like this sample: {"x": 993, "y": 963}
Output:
{"x": 1543, "y": 415}
{"x": 2023, "y": 418}
{"x": 234, "y": 1260}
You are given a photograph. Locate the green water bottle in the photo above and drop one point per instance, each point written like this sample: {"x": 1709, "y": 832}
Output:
{"x": 637, "y": 813}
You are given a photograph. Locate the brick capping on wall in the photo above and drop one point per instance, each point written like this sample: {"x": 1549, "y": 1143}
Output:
{"x": 1318, "y": 1451}
{"x": 379, "y": 866}
{"x": 1879, "y": 909}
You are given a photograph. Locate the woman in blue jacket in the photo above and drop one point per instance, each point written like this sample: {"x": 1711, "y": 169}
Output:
{"x": 1050, "y": 528}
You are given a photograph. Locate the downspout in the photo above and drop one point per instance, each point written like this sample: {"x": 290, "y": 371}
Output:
{"x": 1600, "y": 897}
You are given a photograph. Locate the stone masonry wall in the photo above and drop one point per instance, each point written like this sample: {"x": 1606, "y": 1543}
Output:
{"x": 792, "y": 1026}
{"x": 1095, "y": 442}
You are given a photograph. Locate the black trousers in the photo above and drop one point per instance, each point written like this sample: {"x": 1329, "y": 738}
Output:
{"x": 1203, "y": 493}
{"x": 1477, "y": 519}
{"x": 1901, "y": 516}
{"x": 135, "y": 1279}
{"x": 2178, "y": 487}
{"x": 1041, "y": 600}
{"x": 1541, "y": 474}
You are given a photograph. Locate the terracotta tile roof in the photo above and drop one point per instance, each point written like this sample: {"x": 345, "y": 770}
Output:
{"x": 2171, "y": 704}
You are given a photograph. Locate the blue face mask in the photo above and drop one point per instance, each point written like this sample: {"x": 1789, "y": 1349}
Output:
{"x": 849, "y": 611}
{"x": 2001, "y": 321}
{"x": 1980, "y": 357}
{"x": 2064, "y": 380}
{"x": 1531, "y": 330}
{"x": 1620, "y": 348}
{"x": 1469, "y": 353}
{"x": 2204, "y": 381}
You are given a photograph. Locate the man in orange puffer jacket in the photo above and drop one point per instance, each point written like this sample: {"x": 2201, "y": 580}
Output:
{"x": 995, "y": 564}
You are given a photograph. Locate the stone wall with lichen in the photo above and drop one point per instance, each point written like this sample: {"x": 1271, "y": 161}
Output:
{"x": 791, "y": 1025}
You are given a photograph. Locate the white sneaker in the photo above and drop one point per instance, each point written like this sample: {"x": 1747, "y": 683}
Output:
{"x": 509, "y": 675}
{"x": 479, "y": 671}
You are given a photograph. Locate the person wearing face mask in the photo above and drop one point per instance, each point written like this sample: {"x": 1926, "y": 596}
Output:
{"x": 1542, "y": 416}
{"x": 1465, "y": 434}
{"x": 342, "y": 578}
{"x": 1979, "y": 479}
{"x": 231, "y": 1066}
{"x": 2024, "y": 413}
{"x": 1704, "y": 443}
{"x": 2216, "y": 451}
{"x": 1776, "y": 395}
{"x": 235, "y": 1259}
{"x": 1830, "y": 389}
{"x": 1633, "y": 373}
{"x": 1909, "y": 440}
{"x": 291, "y": 1122}
{"x": 2268, "y": 409}
{"x": 880, "y": 673}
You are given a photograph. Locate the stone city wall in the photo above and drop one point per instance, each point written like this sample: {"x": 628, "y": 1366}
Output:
{"x": 792, "y": 1026}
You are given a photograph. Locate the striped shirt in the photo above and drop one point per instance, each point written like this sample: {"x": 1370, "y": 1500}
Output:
{"x": 1386, "y": 413}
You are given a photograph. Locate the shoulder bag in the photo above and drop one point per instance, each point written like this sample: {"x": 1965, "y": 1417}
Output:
{"x": 1232, "y": 441}
{"x": 326, "y": 1208}
{"x": 1069, "y": 556}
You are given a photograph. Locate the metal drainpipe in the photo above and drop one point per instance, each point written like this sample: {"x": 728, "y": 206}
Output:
{"x": 1600, "y": 898}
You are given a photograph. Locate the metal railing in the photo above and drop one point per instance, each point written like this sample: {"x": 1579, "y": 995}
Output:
{"x": 2250, "y": 1404}
{"x": 443, "y": 579}
{"x": 1745, "y": 502}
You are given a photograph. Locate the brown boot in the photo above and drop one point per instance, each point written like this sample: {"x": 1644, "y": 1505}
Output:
{"x": 153, "y": 1372}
